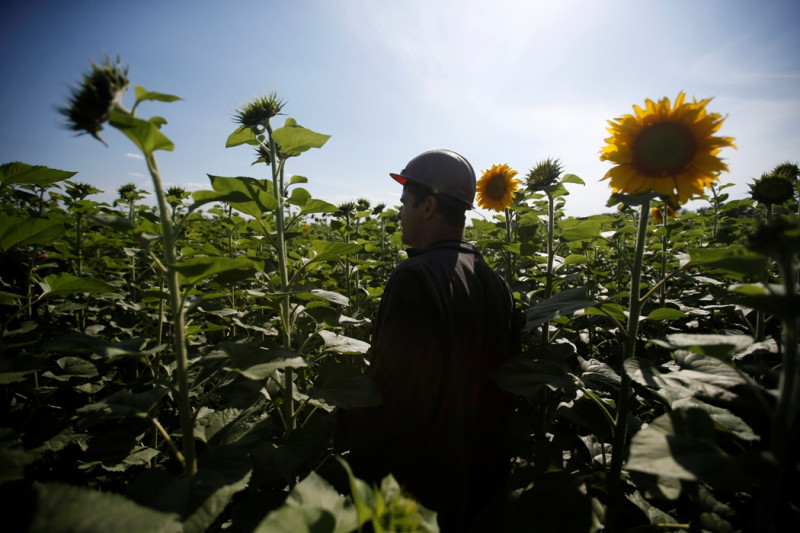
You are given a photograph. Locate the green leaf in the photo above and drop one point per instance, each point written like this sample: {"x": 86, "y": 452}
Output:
{"x": 330, "y": 296}
{"x": 247, "y": 195}
{"x": 16, "y": 231}
{"x": 563, "y": 303}
{"x": 587, "y": 229}
{"x": 733, "y": 258}
{"x": 342, "y": 344}
{"x": 74, "y": 367}
{"x": 665, "y": 313}
{"x": 62, "y": 507}
{"x": 22, "y": 173}
{"x": 207, "y": 494}
{"x": 362, "y": 494}
{"x": 143, "y": 94}
{"x": 609, "y": 309}
{"x": 122, "y": 404}
{"x": 196, "y": 269}
{"x": 65, "y": 284}
{"x": 342, "y": 385}
{"x": 685, "y": 444}
{"x": 557, "y": 501}
{"x": 242, "y": 135}
{"x": 9, "y": 298}
{"x": 13, "y": 457}
{"x": 331, "y": 251}
{"x": 144, "y": 134}
{"x": 294, "y": 140}
{"x": 770, "y": 298}
{"x": 317, "y": 206}
{"x": 572, "y": 178}
{"x": 718, "y": 346}
{"x": 299, "y": 197}
{"x": 121, "y": 224}
{"x": 526, "y": 376}
{"x": 312, "y": 506}
{"x": 575, "y": 259}
{"x": 699, "y": 376}
{"x": 631, "y": 199}
{"x": 292, "y": 519}
{"x": 18, "y": 369}
{"x": 75, "y": 342}
{"x": 254, "y": 361}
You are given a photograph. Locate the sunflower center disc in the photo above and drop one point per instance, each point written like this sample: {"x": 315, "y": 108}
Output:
{"x": 664, "y": 149}
{"x": 496, "y": 188}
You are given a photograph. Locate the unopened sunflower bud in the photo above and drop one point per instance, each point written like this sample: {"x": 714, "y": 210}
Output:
{"x": 772, "y": 189}
{"x": 544, "y": 175}
{"x": 92, "y": 101}
{"x": 256, "y": 114}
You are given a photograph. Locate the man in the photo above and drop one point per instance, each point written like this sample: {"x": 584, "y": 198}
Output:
{"x": 444, "y": 324}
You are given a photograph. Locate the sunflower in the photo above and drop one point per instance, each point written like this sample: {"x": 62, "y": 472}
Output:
{"x": 669, "y": 150}
{"x": 658, "y": 213}
{"x": 91, "y": 103}
{"x": 497, "y": 187}
{"x": 787, "y": 170}
{"x": 544, "y": 175}
{"x": 772, "y": 189}
{"x": 257, "y": 113}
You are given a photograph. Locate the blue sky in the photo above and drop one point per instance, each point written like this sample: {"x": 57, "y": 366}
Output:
{"x": 500, "y": 82}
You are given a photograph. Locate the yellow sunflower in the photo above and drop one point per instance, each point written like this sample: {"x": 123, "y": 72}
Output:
{"x": 658, "y": 213}
{"x": 669, "y": 150}
{"x": 497, "y": 187}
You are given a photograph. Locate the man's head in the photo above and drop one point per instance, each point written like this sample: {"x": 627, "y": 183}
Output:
{"x": 438, "y": 187}
{"x": 443, "y": 172}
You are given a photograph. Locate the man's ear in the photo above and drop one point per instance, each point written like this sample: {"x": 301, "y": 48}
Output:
{"x": 431, "y": 205}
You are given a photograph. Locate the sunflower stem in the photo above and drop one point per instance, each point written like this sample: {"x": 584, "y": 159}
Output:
{"x": 760, "y": 313}
{"x": 787, "y": 407}
{"x": 623, "y": 401}
{"x": 509, "y": 265}
{"x": 283, "y": 272}
{"x": 178, "y": 321}
{"x": 548, "y": 287}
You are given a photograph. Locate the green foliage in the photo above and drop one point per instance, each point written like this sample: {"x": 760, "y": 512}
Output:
{"x": 277, "y": 289}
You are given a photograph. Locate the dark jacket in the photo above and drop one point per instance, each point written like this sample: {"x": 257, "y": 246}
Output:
{"x": 445, "y": 323}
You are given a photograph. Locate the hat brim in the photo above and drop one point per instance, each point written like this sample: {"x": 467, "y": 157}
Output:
{"x": 402, "y": 180}
{"x": 398, "y": 178}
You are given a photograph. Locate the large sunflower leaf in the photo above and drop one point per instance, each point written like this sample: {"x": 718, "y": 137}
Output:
{"x": 313, "y": 505}
{"x": 62, "y": 507}
{"x": 145, "y": 134}
{"x": 196, "y": 269}
{"x": 16, "y": 231}
{"x": 563, "y": 303}
{"x": 331, "y": 251}
{"x": 248, "y": 195}
{"x": 587, "y": 229}
{"x": 733, "y": 259}
{"x": 526, "y": 376}
{"x": 254, "y": 361}
{"x": 685, "y": 444}
{"x": 294, "y": 140}
{"x": 143, "y": 94}
{"x": 718, "y": 346}
{"x": 342, "y": 344}
{"x": 242, "y": 135}
{"x": 64, "y": 284}
{"x": 22, "y": 173}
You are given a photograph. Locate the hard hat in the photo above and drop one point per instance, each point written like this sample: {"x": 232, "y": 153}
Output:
{"x": 444, "y": 171}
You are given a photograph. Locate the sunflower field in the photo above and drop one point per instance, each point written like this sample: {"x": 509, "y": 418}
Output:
{"x": 177, "y": 366}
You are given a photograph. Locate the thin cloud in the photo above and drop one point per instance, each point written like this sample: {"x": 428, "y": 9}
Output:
{"x": 133, "y": 155}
